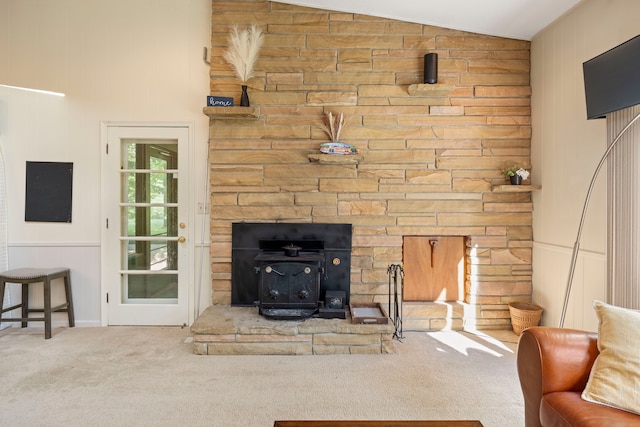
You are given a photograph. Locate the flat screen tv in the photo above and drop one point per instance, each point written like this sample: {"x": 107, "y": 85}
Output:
{"x": 612, "y": 79}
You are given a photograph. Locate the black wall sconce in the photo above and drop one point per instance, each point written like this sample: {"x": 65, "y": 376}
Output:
{"x": 431, "y": 68}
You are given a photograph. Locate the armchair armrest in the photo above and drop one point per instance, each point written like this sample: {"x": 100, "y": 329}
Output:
{"x": 551, "y": 360}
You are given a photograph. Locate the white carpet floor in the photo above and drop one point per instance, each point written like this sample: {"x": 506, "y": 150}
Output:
{"x": 134, "y": 376}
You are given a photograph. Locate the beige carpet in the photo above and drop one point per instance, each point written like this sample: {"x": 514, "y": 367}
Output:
{"x": 133, "y": 376}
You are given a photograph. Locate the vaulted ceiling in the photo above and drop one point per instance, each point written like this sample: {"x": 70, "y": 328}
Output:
{"x": 516, "y": 19}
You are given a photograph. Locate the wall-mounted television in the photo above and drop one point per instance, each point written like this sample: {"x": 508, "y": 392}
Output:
{"x": 612, "y": 79}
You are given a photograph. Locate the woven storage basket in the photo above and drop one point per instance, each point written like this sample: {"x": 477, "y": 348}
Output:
{"x": 524, "y": 315}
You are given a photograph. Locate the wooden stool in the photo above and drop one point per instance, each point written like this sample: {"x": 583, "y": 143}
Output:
{"x": 25, "y": 276}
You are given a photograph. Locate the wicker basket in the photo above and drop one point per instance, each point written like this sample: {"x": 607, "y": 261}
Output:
{"x": 524, "y": 315}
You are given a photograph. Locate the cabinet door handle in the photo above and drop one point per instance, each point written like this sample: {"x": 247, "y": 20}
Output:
{"x": 433, "y": 244}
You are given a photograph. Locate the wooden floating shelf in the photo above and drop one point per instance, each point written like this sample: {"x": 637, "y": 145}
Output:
{"x": 232, "y": 112}
{"x": 335, "y": 159}
{"x": 515, "y": 188}
{"x": 433, "y": 90}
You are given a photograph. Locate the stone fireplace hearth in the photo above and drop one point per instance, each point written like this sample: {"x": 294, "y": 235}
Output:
{"x": 241, "y": 330}
{"x": 430, "y": 156}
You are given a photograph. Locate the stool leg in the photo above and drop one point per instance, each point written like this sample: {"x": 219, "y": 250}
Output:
{"x": 25, "y": 304}
{"x": 47, "y": 308}
{"x": 67, "y": 291}
{"x": 2, "y": 287}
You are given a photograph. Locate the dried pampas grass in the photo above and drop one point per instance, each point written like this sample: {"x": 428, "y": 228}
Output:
{"x": 333, "y": 125}
{"x": 243, "y": 50}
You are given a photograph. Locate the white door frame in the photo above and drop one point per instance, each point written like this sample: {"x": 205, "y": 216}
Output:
{"x": 189, "y": 232}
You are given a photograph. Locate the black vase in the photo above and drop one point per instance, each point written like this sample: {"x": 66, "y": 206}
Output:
{"x": 244, "y": 98}
{"x": 515, "y": 180}
{"x": 431, "y": 68}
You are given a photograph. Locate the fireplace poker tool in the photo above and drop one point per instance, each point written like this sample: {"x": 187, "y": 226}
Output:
{"x": 396, "y": 271}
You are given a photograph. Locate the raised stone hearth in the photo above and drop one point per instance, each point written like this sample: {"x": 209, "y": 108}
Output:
{"x": 241, "y": 330}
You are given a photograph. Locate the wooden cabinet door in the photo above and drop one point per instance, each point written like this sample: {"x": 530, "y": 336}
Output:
{"x": 434, "y": 268}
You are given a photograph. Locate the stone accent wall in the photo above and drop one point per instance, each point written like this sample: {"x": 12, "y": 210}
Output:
{"x": 431, "y": 155}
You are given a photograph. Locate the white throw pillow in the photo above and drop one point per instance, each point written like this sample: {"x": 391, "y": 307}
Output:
{"x": 615, "y": 376}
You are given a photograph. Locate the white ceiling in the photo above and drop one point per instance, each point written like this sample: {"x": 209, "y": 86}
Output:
{"x": 516, "y": 19}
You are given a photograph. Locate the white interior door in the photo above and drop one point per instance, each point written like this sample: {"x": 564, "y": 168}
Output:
{"x": 146, "y": 262}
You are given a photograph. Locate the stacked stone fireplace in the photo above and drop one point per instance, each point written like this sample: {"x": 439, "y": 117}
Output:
{"x": 430, "y": 155}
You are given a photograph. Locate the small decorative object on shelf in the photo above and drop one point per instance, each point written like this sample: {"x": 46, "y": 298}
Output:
{"x": 244, "y": 98}
{"x": 431, "y": 68}
{"x": 332, "y": 125}
{"x": 338, "y": 148}
{"x": 516, "y": 174}
{"x": 242, "y": 54}
{"x": 219, "y": 101}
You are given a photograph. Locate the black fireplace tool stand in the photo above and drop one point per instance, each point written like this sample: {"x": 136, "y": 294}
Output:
{"x": 396, "y": 275}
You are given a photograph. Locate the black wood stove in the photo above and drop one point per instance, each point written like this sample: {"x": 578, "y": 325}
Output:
{"x": 292, "y": 271}
{"x": 289, "y": 284}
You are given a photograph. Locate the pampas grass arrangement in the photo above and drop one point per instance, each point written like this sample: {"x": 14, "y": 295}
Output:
{"x": 242, "y": 53}
{"x": 333, "y": 125}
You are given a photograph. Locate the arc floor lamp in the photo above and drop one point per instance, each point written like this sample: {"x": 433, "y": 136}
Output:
{"x": 576, "y": 246}
{"x": 612, "y": 83}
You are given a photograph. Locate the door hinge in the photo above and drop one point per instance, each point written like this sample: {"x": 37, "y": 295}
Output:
{"x": 107, "y": 148}
{"x": 107, "y": 297}
{"x": 106, "y": 222}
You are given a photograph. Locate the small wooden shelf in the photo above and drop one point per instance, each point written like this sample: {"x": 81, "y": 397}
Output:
{"x": 232, "y": 112}
{"x": 335, "y": 159}
{"x": 433, "y": 90}
{"x": 515, "y": 188}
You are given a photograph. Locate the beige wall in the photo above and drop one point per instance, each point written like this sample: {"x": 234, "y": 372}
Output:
{"x": 565, "y": 151}
{"x": 121, "y": 60}
{"x": 430, "y": 162}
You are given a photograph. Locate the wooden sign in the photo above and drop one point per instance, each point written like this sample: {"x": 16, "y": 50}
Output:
{"x": 219, "y": 101}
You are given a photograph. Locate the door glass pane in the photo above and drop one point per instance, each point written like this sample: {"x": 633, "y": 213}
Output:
{"x": 158, "y": 220}
{"x": 151, "y": 255}
{"x": 151, "y": 286}
{"x": 149, "y": 220}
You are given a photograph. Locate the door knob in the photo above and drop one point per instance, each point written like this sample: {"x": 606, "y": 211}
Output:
{"x": 182, "y": 225}
{"x": 182, "y": 239}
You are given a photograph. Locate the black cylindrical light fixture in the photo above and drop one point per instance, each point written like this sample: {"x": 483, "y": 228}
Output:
{"x": 431, "y": 68}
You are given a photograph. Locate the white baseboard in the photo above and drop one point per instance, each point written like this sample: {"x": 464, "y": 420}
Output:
{"x": 55, "y": 324}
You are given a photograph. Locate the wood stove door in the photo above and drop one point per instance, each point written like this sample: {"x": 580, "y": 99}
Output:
{"x": 289, "y": 284}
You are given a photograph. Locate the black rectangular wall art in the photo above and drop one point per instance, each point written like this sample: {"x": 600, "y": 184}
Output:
{"x": 48, "y": 192}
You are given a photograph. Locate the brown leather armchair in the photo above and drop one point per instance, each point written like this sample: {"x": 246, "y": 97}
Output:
{"x": 553, "y": 367}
